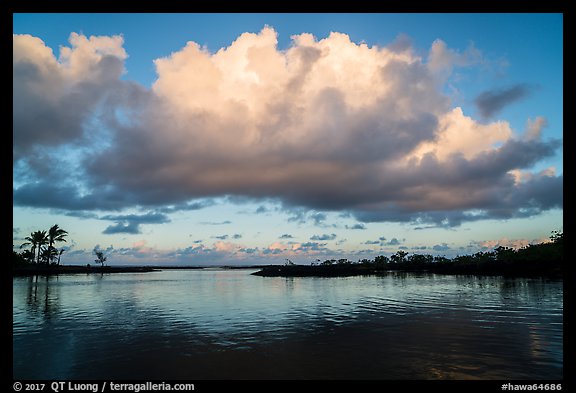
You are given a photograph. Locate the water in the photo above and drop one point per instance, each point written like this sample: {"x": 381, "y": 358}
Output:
{"x": 227, "y": 324}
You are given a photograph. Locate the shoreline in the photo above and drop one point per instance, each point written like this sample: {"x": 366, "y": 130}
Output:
{"x": 73, "y": 269}
{"x": 338, "y": 270}
{"x": 348, "y": 270}
{"x": 79, "y": 269}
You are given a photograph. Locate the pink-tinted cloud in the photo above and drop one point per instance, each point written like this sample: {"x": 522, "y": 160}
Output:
{"x": 325, "y": 124}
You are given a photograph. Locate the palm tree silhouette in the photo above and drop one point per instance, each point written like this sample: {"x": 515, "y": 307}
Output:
{"x": 55, "y": 234}
{"x": 48, "y": 254}
{"x": 37, "y": 239}
{"x": 60, "y": 254}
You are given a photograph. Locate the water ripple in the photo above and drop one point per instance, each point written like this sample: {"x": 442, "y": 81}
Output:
{"x": 184, "y": 324}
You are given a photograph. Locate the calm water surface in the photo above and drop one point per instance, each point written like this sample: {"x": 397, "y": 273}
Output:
{"x": 227, "y": 324}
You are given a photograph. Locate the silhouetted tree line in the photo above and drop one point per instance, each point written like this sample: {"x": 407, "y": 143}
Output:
{"x": 42, "y": 250}
{"x": 536, "y": 259}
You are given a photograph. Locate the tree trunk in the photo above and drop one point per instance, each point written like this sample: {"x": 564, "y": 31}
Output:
{"x": 50, "y": 247}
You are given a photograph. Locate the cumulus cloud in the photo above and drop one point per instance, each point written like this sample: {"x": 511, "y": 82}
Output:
{"x": 442, "y": 59}
{"x": 326, "y": 124}
{"x": 324, "y": 236}
{"x": 53, "y": 97}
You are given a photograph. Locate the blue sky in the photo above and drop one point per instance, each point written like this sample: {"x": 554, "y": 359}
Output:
{"x": 301, "y": 136}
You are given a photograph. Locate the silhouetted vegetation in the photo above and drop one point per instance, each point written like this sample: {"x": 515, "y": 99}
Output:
{"x": 55, "y": 234}
{"x": 544, "y": 259}
{"x": 36, "y": 239}
{"x": 100, "y": 257}
{"x": 43, "y": 258}
{"x": 42, "y": 249}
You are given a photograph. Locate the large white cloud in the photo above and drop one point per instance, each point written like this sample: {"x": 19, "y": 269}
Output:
{"x": 325, "y": 124}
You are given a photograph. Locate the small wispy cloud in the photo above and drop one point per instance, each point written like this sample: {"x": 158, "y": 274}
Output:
{"x": 441, "y": 247}
{"x": 226, "y": 222}
{"x": 325, "y": 236}
{"x": 356, "y": 226}
{"x": 382, "y": 241}
{"x": 491, "y": 102}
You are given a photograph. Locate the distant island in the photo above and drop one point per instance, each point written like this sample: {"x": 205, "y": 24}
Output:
{"x": 538, "y": 260}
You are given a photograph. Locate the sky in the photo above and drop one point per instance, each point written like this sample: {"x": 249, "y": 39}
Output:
{"x": 240, "y": 139}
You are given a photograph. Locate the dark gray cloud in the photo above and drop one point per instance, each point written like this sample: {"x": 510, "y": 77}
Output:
{"x": 286, "y": 236}
{"x": 382, "y": 241}
{"x": 356, "y": 226}
{"x": 46, "y": 193}
{"x": 491, "y": 102}
{"x": 235, "y": 236}
{"x": 441, "y": 247}
{"x": 313, "y": 246}
{"x": 49, "y": 122}
{"x": 130, "y": 223}
{"x": 148, "y": 218}
{"x": 128, "y": 227}
{"x": 261, "y": 210}
{"x": 301, "y": 215}
{"x": 187, "y": 206}
{"x": 271, "y": 251}
{"x": 447, "y": 193}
